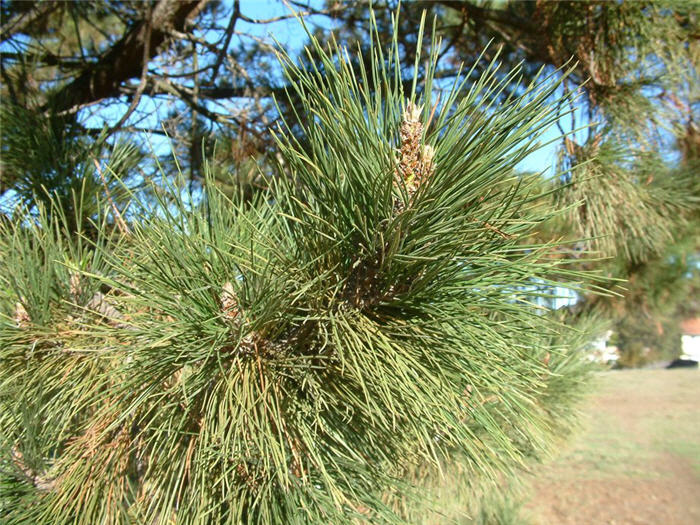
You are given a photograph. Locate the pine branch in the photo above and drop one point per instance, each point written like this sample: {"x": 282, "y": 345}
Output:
{"x": 123, "y": 60}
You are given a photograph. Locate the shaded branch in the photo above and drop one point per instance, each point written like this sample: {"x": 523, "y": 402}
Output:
{"x": 21, "y": 22}
{"x": 229, "y": 34}
{"x": 123, "y": 60}
{"x": 484, "y": 14}
{"x": 142, "y": 84}
{"x": 46, "y": 59}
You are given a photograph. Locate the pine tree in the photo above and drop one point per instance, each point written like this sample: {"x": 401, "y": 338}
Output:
{"x": 314, "y": 353}
{"x": 633, "y": 198}
{"x": 628, "y": 174}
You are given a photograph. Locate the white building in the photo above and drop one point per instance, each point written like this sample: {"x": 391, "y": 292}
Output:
{"x": 601, "y": 352}
{"x": 690, "y": 340}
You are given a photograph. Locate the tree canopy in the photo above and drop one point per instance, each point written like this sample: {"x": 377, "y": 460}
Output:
{"x": 205, "y": 74}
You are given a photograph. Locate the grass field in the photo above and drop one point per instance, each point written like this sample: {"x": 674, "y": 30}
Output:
{"x": 636, "y": 460}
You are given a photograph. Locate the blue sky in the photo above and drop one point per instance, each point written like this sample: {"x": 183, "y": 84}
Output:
{"x": 292, "y": 36}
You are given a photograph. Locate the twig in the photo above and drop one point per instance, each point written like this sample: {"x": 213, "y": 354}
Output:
{"x": 142, "y": 83}
{"x": 229, "y": 33}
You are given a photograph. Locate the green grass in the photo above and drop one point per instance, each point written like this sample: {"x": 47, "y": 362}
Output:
{"x": 640, "y": 434}
{"x": 632, "y": 425}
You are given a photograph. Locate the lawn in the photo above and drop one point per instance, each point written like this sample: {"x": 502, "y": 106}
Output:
{"x": 636, "y": 459}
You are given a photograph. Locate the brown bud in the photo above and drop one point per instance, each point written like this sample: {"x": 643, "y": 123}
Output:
{"x": 415, "y": 160}
{"x": 229, "y": 302}
{"x": 21, "y": 316}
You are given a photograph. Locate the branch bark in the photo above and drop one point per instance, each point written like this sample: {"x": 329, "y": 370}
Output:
{"x": 229, "y": 34}
{"x": 21, "y": 22}
{"x": 123, "y": 61}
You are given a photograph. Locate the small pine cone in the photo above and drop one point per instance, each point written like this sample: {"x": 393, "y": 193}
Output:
{"x": 229, "y": 302}
{"x": 426, "y": 162}
{"x": 76, "y": 288}
{"x": 21, "y": 317}
{"x": 411, "y": 133}
{"x": 415, "y": 160}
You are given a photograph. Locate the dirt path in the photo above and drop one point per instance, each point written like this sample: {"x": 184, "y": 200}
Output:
{"x": 637, "y": 460}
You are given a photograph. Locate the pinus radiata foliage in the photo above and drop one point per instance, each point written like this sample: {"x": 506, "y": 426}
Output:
{"x": 309, "y": 356}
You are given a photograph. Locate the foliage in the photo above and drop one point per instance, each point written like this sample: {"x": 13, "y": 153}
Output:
{"x": 647, "y": 340}
{"x": 306, "y": 355}
{"x": 46, "y": 160}
{"x": 599, "y": 181}
{"x": 343, "y": 301}
{"x": 658, "y": 294}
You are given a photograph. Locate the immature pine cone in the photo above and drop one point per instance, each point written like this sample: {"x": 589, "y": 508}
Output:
{"x": 415, "y": 159}
{"x": 229, "y": 302}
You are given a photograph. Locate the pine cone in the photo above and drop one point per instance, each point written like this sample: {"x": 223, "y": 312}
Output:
{"x": 229, "y": 302}
{"x": 415, "y": 160}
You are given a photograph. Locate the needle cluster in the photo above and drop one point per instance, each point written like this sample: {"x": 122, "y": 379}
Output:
{"x": 302, "y": 356}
